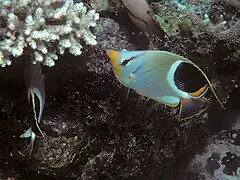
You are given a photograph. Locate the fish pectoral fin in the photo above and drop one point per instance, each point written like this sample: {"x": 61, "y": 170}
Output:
{"x": 28, "y": 150}
{"x": 191, "y": 107}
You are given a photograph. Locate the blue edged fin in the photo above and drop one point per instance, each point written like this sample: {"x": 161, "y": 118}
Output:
{"x": 27, "y": 134}
{"x": 28, "y": 150}
{"x": 191, "y": 107}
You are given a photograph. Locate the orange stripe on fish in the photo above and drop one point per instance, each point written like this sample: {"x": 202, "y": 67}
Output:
{"x": 112, "y": 54}
{"x": 199, "y": 92}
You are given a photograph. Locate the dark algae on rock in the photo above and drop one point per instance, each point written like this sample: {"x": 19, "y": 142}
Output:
{"x": 93, "y": 132}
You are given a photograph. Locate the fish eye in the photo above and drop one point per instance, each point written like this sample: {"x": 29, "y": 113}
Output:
{"x": 126, "y": 61}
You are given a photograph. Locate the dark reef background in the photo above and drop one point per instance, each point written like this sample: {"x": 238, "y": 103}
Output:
{"x": 94, "y": 134}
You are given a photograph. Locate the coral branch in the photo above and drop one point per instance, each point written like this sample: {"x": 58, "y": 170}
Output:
{"x": 44, "y": 28}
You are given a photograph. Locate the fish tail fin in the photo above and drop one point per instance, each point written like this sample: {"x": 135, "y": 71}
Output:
{"x": 29, "y": 149}
{"x": 211, "y": 86}
{"x": 190, "y": 107}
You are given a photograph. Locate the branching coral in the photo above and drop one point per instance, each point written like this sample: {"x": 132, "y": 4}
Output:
{"x": 44, "y": 28}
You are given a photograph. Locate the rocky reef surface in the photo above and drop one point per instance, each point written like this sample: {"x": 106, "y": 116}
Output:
{"x": 94, "y": 134}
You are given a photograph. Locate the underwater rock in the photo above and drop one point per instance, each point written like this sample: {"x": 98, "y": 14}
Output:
{"x": 57, "y": 153}
{"x": 220, "y": 159}
{"x": 93, "y": 133}
{"x": 109, "y": 36}
{"x": 97, "y": 166}
{"x": 99, "y": 5}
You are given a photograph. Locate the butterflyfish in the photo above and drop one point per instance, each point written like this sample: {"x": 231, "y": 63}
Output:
{"x": 163, "y": 76}
{"x": 34, "y": 80}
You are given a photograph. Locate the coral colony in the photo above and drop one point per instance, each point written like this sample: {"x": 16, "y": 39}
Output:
{"x": 44, "y": 28}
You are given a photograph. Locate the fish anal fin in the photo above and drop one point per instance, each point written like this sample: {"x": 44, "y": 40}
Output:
{"x": 191, "y": 107}
{"x": 28, "y": 150}
{"x": 27, "y": 134}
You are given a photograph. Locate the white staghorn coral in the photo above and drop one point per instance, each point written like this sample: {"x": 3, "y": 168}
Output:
{"x": 45, "y": 29}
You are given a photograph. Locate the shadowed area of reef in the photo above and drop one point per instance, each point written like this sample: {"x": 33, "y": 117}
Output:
{"x": 115, "y": 139}
{"x": 93, "y": 133}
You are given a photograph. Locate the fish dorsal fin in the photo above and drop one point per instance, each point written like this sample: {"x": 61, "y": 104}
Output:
{"x": 210, "y": 85}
